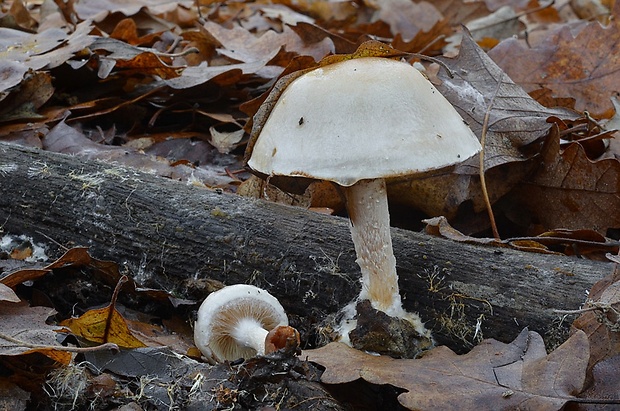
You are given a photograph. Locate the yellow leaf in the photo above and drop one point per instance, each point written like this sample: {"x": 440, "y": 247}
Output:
{"x": 104, "y": 325}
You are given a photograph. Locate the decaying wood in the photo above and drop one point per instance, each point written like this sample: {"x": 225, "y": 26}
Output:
{"x": 172, "y": 236}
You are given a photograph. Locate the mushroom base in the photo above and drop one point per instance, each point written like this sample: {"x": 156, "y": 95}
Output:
{"x": 375, "y": 331}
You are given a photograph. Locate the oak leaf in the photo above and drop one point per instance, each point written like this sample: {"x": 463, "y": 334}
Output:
{"x": 578, "y": 61}
{"x": 77, "y": 256}
{"x": 407, "y": 18}
{"x": 474, "y": 85}
{"x": 99, "y": 9}
{"x": 28, "y": 332}
{"x": 601, "y": 322}
{"x": 47, "y": 49}
{"x": 492, "y": 376}
{"x": 571, "y": 191}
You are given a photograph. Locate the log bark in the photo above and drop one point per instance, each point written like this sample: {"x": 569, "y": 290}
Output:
{"x": 171, "y": 235}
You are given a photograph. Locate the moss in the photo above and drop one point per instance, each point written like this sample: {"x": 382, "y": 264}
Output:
{"x": 218, "y": 212}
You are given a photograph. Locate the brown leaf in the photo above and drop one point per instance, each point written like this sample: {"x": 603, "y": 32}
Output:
{"x": 456, "y": 12}
{"x": 25, "y": 99}
{"x": 28, "y": 325}
{"x": 571, "y": 191}
{"x": 125, "y": 56}
{"x": 241, "y": 45}
{"x": 47, "y": 49}
{"x": 313, "y": 35}
{"x": 490, "y": 29}
{"x": 440, "y": 227}
{"x": 515, "y": 121}
{"x": 177, "y": 334}
{"x": 7, "y": 294}
{"x": 601, "y": 323}
{"x": 196, "y": 75}
{"x": 453, "y": 13}
{"x": 329, "y": 11}
{"x": 77, "y": 256}
{"x": 21, "y": 15}
{"x": 577, "y": 61}
{"x": 586, "y": 243}
{"x": 99, "y": 9}
{"x": 492, "y": 376}
{"x": 606, "y": 384}
{"x": 127, "y": 31}
{"x": 225, "y": 141}
{"x": 407, "y": 18}
{"x": 11, "y": 74}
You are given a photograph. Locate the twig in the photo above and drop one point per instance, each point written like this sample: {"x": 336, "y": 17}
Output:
{"x": 555, "y": 240}
{"x": 19, "y": 343}
{"x": 108, "y": 325}
{"x": 592, "y": 306}
{"x": 52, "y": 240}
{"x": 483, "y": 137}
{"x": 580, "y": 311}
{"x": 432, "y": 60}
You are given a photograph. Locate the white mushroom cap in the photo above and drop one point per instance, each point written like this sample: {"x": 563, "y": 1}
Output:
{"x": 234, "y": 321}
{"x": 362, "y": 118}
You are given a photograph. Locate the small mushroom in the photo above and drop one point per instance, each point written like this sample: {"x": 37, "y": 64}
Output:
{"x": 365, "y": 121}
{"x": 241, "y": 321}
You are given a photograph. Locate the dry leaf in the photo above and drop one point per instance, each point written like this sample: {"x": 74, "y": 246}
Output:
{"x": 47, "y": 49}
{"x": 125, "y": 56}
{"x": 492, "y": 376}
{"x": 407, "y": 18}
{"x": 24, "y": 100}
{"x": 77, "y": 256}
{"x": 104, "y": 325}
{"x": 241, "y": 45}
{"x": 571, "y": 191}
{"x": 7, "y": 294}
{"x": 577, "y": 61}
{"x": 28, "y": 325}
{"x": 515, "y": 121}
{"x": 602, "y": 323}
{"x": 225, "y": 141}
{"x": 197, "y": 75}
{"x": 606, "y": 384}
{"x": 100, "y": 9}
{"x": 12, "y": 74}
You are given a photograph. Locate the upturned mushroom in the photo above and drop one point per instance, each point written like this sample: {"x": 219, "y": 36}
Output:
{"x": 241, "y": 321}
{"x": 358, "y": 123}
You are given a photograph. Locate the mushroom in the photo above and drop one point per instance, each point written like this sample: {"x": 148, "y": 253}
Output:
{"x": 358, "y": 123}
{"x": 241, "y": 321}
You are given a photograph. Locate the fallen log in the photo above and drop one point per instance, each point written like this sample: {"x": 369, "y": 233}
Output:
{"x": 171, "y": 236}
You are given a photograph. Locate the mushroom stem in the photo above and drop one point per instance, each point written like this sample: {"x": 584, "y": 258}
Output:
{"x": 250, "y": 333}
{"x": 367, "y": 206}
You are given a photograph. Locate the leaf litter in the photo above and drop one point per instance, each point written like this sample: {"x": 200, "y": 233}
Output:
{"x": 492, "y": 376}
{"x": 113, "y": 81}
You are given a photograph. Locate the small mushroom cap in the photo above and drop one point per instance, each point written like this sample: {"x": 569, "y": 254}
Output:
{"x": 362, "y": 118}
{"x": 231, "y": 307}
